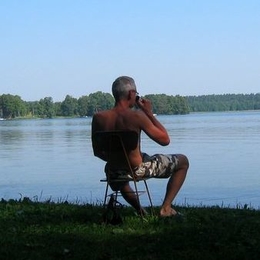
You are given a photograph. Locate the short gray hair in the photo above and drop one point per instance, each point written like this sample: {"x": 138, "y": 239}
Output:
{"x": 121, "y": 87}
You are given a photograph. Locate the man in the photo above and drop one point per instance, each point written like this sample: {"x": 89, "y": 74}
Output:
{"x": 123, "y": 117}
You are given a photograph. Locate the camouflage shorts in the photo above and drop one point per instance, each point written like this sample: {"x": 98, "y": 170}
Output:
{"x": 157, "y": 166}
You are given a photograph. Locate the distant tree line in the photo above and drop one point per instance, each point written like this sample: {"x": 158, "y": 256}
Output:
{"x": 12, "y": 106}
{"x": 225, "y": 102}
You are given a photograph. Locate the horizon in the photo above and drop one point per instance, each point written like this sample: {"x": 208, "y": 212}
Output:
{"x": 144, "y": 95}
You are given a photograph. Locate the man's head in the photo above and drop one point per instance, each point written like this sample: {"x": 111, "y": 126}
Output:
{"x": 122, "y": 86}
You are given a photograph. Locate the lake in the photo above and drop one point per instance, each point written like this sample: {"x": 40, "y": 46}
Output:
{"x": 52, "y": 159}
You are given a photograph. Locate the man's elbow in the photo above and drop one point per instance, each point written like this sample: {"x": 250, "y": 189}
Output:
{"x": 165, "y": 141}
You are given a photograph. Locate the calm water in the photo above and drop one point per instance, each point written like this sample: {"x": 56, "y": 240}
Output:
{"x": 52, "y": 159}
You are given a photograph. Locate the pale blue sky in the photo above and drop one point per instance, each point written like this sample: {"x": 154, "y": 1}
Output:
{"x": 51, "y": 48}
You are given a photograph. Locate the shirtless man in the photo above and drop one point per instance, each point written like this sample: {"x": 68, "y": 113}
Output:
{"x": 123, "y": 117}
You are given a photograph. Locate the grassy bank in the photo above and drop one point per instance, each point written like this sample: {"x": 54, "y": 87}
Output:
{"x": 34, "y": 230}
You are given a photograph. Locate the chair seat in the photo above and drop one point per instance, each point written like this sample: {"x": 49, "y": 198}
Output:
{"x": 117, "y": 179}
{"x": 123, "y": 178}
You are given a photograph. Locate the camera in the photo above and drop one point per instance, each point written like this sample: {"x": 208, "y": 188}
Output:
{"x": 137, "y": 98}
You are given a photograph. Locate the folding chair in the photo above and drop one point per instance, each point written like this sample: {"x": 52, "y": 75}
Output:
{"x": 116, "y": 145}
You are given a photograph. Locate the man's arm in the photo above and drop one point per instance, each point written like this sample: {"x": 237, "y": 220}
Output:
{"x": 150, "y": 125}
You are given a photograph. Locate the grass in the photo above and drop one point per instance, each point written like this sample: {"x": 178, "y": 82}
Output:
{"x": 47, "y": 230}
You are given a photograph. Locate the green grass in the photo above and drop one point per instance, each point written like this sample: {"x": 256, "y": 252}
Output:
{"x": 35, "y": 230}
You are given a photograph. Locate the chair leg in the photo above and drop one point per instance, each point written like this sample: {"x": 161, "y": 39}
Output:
{"x": 105, "y": 199}
{"x": 138, "y": 199}
{"x": 116, "y": 203}
{"x": 149, "y": 196}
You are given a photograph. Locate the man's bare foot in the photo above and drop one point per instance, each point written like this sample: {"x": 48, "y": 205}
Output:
{"x": 168, "y": 212}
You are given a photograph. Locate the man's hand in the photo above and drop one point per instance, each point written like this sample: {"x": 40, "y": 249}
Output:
{"x": 145, "y": 105}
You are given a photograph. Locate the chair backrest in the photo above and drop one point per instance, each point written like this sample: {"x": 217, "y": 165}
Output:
{"x": 117, "y": 145}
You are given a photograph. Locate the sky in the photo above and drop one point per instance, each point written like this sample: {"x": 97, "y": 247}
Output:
{"x": 54, "y": 48}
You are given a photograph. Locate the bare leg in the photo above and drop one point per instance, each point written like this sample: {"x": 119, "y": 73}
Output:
{"x": 174, "y": 184}
{"x": 130, "y": 197}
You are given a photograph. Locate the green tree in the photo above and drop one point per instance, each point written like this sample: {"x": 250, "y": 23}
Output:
{"x": 168, "y": 105}
{"x": 57, "y": 109}
{"x": 179, "y": 105}
{"x": 33, "y": 108}
{"x": 47, "y": 107}
{"x": 12, "y": 106}
{"x": 69, "y": 107}
{"x": 99, "y": 101}
{"x": 83, "y": 105}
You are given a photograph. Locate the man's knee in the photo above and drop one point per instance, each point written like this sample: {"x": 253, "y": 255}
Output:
{"x": 183, "y": 161}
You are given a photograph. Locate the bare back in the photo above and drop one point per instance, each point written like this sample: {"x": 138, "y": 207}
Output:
{"x": 119, "y": 119}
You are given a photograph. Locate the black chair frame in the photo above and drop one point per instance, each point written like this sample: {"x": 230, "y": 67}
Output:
{"x": 116, "y": 145}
